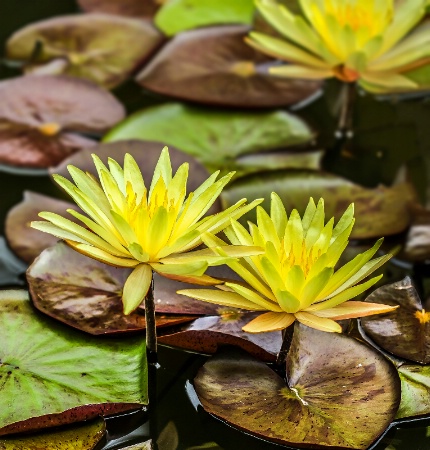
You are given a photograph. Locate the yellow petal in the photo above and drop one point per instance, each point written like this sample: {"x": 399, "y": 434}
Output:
{"x": 353, "y": 309}
{"x": 102, "y": 256}
{"x": 136, "y": 287}
{"x": 319, "y": 323}
{"x": 253, "y": 296}
{"x": 270, "y": 321}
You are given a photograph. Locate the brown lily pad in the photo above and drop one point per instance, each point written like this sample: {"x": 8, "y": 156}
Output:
{"x": 40, "y": 116}
{"x": 381, "y": 211}
{"x": 404, "y": 332}
{"x": 129, "y": 8}
{"x": 215, "y": 66}
{"x": 207, "y": 334}
{"x": 339, "y": 393}
{"x": 103, "y": 48}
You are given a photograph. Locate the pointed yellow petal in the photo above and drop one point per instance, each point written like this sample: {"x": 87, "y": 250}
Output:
{"x": 136, "y": 287}
{"x": 102, "y": 256}
{"x": 278, "y": 214}
{"x": 270, "y": 321}
{"x": 254, "y": 297}
{"x": 163, "y": 170}
{"x": 353, "y": 309}
{"x": 133, "y": 175}
{"x": 319, "y": 323}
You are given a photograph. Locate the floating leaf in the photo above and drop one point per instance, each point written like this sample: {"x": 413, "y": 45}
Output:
{"x": 417, "y": 247}
{"x": 340, "y": 393}
{"x": 180, "y": 15}
{"x": 82, "y": 437}
{"x": 129, "y": 8}
{"x": 57, "y": 376}
{"x": 87, "y": 294}
{"x": 380, "y": 212}
{"x": 216, "y": 66}
{"x": 100, "y": 47}
{"x": 142, "y": 446}
{"x": 39, "y": 118}
{"x": 215, "y": 138}
{"x": 406, "y": 331}
{"x": 207, "y": 334}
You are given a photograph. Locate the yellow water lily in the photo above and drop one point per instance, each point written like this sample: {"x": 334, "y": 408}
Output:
{"x": 295, "y": 277}
{"x": 378, "y": 42}
{"x": 127, "y": 225}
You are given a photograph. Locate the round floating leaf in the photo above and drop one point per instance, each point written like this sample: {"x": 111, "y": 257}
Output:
{"x": 340, "y": 393}
{"x": 100, "y": 47}
{"x": 56, "y": 375}
{"x": 207, "y": 334}
{"x": 216, "y": 66}
{"x": 39, "y": 117}
{"x": 404, "y": 332}
{"x": 180, "y": 15}
{"x": 86, "y": 294}
{"x": 82, "y": 437}
{"x": 25, "y": 241}
{"x": 379, "y": 212}
{"x": 215, "y": 138}
{"x": 130, "y": 8}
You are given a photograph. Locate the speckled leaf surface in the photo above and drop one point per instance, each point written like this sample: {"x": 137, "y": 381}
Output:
{"x": 100, "y": 47}
{"x": 404, "y": 332}
{"x": 180, "y": 15}
{"x": 129, "y": 8}
{"x": 207, "y": 334}
{"x": 215, "y": 66}
{"x": 81, "y": 437}
{"x": 379, "y": 212}
{"x": 86, "y": 294}
{"x": 215, "y": 138}
{"x": 340, "y": 393}
{"x": 51, "y": 375}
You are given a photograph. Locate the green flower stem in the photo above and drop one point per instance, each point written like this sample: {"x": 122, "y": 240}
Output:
{"x": 287, "y": 338}
{"x": 151, "y": 331}
{"x": 345, "y": 129}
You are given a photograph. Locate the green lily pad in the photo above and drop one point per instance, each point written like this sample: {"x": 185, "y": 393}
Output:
{"x": 58, "y": 376}
{"x": 41, "y": 116}
{"x": 129, "y": 8}
{"x": 81, "y": 437}
{"x": 340, "y": 393}
{"x": 404, "y": 332}
{"x": 379, "y": 212}
{"x": 86, "y": 294}
{"x": 207, "y": 334}
{"x": 179, "y": 15}
{"x": 215, "y": 138}
{"x": 100, "y": 47}
{"x": 215, "y": 66}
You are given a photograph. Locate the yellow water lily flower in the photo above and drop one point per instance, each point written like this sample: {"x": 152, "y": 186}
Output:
{"x": 378, "y": 42}
{"x": 295, "y": 277}
{"x": 127, "y": 225}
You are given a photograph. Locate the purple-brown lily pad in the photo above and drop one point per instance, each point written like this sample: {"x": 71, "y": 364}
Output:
{"x": 404, "y": 332}
{"x": 41, "y": 116}
{"x": 103, "y": 48}
{"x": 129, "y": 8}
{"x": 215, "y": 66}
{"x": 207, "y": 334}
{"x": 339, "y": 393}
{"x": 52, "y": 375}
{"x": 87, "y": 294}
{"x": 379, "y": 212}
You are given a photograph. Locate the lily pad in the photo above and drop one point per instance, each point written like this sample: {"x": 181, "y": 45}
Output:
{"x": 216, "y": 66}
{"x": 406, "y": 331}
{"x": 215, "y": 138}
{"x": 100, "y": 47}
{"x": 40, "y": 116}
{"x": 380, "y": 212}
{"x": 129, "y": 8}
{"x": 340, "y": 393}
{"x": 180, "y": 15}
{"x": 86, "y": 294}
{"x": 57, "y": 376}
{"x": 207, "y": 334}
{"x": 81, "y": 437}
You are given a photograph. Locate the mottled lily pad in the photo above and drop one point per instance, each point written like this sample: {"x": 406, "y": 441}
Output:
{"x": 406, "y": 331}
{"x": 340, "y": 393}
{"x": 25, "y": 241}
{"x": 379, "y": 212}
{"x": 215, "y": 138}
{"x": 86, "y": 294}
{"x": 207, "y": 334}
{"x": 216, "y": 66}
{"x": 180, "y": 15}
{"x": 129, "y": 8}
{"x": 103, "y": 48}
{"x": 40, "y": 116}
{"x": 81, "y": 437}
{"x": 57, "y": 376}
